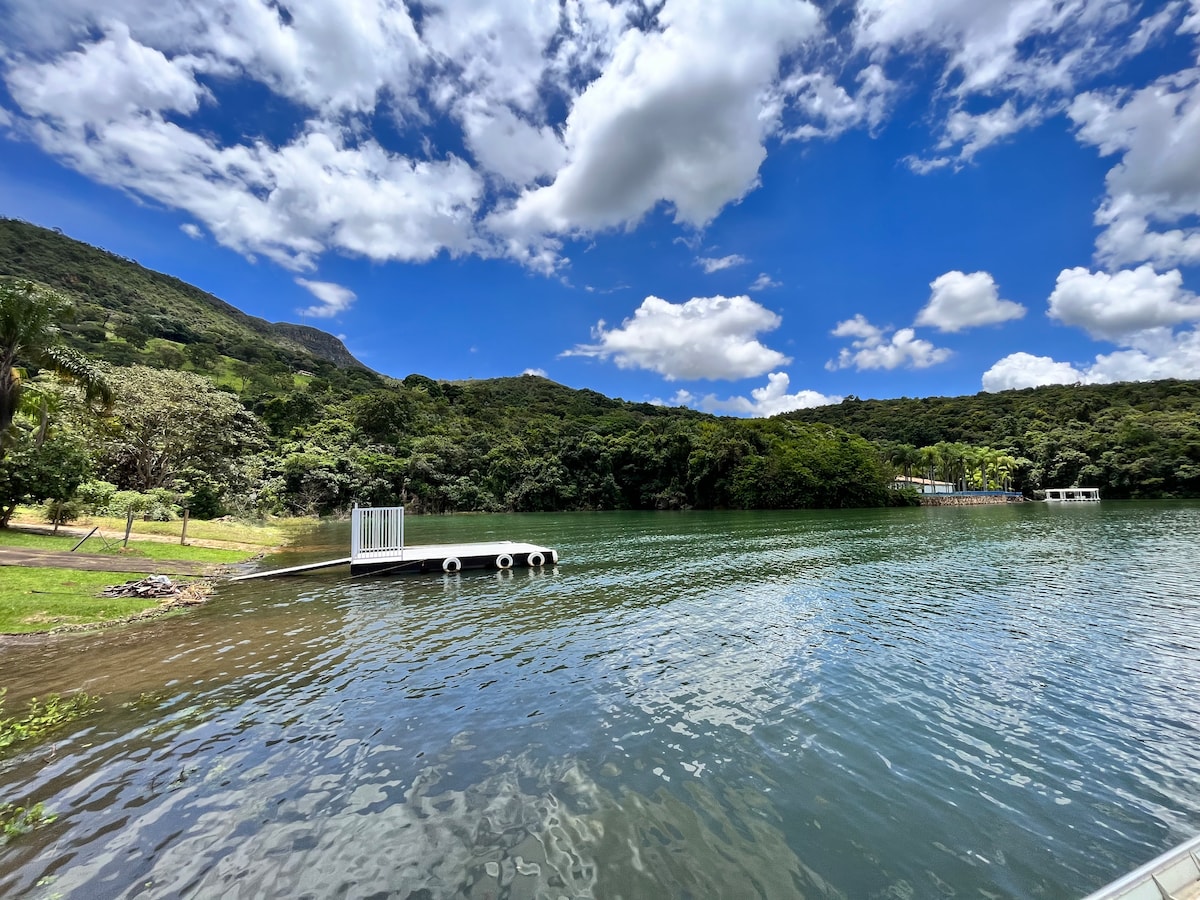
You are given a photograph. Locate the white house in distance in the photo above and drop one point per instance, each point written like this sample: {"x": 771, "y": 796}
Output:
{"x": 923, "y": 485}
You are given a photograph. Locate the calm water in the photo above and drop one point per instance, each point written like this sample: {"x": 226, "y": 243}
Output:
{"x": 990, "y": 702}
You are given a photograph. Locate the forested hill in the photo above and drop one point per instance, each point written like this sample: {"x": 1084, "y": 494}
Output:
{"x": 148, "y": 316}
{"x": 1135, "y": 439}
{"x": 232, "y": 414}
{"x": 998, "y": 418}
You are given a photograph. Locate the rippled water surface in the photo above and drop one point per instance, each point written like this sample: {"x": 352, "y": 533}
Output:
{"x": 990, "y": 702}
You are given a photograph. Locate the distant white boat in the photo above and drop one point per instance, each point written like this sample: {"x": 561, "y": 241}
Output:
{"x": 1073, "y": 495}
{"x": 1175, "y": 875}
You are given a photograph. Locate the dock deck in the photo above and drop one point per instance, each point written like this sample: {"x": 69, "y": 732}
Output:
{"x": 377, "y": 548}
{"x": 453, "y": 558}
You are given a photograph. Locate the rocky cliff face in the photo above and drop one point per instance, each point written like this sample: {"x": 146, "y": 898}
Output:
{"x": 319, "y": 343}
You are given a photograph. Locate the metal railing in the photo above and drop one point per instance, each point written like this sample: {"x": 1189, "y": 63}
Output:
{"x": 376, "y": 531}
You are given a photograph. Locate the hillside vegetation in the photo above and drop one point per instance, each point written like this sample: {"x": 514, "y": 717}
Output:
{"x": 229, "y": 413}
{"x": 1136, "y": 440}
{"x": 129, "y": 314}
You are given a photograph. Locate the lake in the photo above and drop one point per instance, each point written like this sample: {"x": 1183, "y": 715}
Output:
{"x": 978, "y": 702}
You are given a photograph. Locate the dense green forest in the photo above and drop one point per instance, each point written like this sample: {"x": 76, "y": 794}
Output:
{"x": 232, "y": 414}
{"x": 204, "y": 405}
{"x": 1132, "y": 440}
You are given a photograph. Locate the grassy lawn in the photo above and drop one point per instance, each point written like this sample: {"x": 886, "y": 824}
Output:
{"x": 249, "y": 535}
{"x": 144, "y": 549}
{"x": 41, "y": 599}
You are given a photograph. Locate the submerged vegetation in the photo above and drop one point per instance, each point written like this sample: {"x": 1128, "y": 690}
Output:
{"x": 42, "y": 717}
{"x": 225, "y": 414}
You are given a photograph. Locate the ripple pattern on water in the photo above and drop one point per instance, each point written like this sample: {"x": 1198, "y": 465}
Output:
{"x": 906, "y": 703}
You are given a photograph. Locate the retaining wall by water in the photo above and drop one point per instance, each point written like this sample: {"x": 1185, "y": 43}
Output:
{"x": 969, "y": 500}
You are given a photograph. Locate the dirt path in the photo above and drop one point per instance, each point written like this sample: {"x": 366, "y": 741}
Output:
{"x": 91, "y": 562}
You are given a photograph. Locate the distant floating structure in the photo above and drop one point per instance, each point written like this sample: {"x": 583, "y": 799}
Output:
{"x": 1073, "y": 495}
{"x": 377, "y": 548}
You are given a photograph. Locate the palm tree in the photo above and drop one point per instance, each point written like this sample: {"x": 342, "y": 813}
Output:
{"x": 906, "y": 456}
{"x": 29, "y": 317}
{"x": 930, "y": 459}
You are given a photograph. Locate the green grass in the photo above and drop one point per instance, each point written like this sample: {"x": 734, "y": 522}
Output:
{"x": 264, "y": 535}
{"x": 41, "y": 599}
{"x": 145, "y": 549}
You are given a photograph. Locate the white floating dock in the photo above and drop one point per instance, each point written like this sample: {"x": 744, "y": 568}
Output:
{"x": 453, "y": 558}
{"x": 377, "y": 548}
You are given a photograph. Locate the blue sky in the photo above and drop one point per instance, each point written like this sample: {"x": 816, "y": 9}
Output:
{"x": 744, "y": 206}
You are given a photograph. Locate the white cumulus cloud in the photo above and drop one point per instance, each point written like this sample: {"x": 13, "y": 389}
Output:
{"x": 1136, "y": 309}
{"x": 873, "y": 347}
{"x": 826, "y": 109}
{"x": 1156, "y": 355}
{"x": 960, "y": 301}
{"x": 1000, "y": 43}
{"x": 1024, "y": 370}
{"x": 334, "y": 298}
{"x": 679, "y": 116}
{"x": 1115, "y": 306}
{"x": 769, "y": 400}
{"x": 705, "y": 337}
{"x": 1153, "y": 193}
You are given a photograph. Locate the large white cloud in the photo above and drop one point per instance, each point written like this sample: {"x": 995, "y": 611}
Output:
{"x": 873, "y": 347}
{"x": 512, "y": 126}
{"x": 995, "y": 44}
{"x": 1156, "y": 183}
{"x": 1024, "y": 59}
{"x": 1024, "y": 370}
{"x": 706, "y": 337}
{"x": 769, "y": 400}
{"x": 1136, "y": 309}
{"x": 326, "y": 55}
{"x": 104, "y": 109}
{"x": 961, "y": 301}
{"x": 1116, "y": 306}
{"x": 679, "y": 116}
{"x": 1160, "y": 355}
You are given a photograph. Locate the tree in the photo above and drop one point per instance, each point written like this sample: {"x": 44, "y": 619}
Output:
{"x": 167, "y": 422}
{"x": 29, "y": 317}
{"x": 36, "y": 470}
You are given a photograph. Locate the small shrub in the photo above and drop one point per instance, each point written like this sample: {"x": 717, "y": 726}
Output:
{"x": 95, "y": 496}
{"x": 59, "y": 512}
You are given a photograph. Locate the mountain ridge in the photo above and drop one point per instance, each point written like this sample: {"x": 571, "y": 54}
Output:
{"x": 134, "y": 304}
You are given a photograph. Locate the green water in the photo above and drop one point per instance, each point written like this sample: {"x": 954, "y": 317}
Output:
{"x": 981, "y": 702}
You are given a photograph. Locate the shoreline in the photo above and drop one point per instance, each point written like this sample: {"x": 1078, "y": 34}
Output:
{"x": 38, "y": 600}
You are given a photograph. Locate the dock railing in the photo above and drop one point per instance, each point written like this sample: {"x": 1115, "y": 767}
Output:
{"x": 376, "y": 532}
